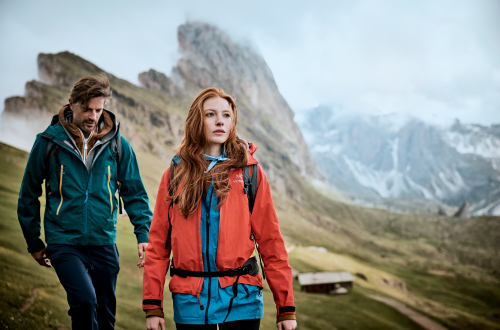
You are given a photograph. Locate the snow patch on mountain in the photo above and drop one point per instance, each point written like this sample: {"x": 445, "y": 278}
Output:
{"x": 386, "y": 184}
{"x": 471, "y": 143}
{"x": 396, "y": 157}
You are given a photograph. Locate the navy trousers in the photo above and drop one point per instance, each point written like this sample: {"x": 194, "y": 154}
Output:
{"x": 233, "y": 325}
{"x": 88, "y": 273}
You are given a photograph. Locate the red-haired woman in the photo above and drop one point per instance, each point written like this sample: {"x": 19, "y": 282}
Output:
{"x": 203, "y": 217}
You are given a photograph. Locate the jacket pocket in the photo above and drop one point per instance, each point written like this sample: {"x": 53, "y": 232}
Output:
{"x": 61, "y": 175}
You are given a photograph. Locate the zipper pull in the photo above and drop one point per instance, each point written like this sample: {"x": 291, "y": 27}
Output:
{"x": 86, "y": 196}
{"x": 199, "y": 300}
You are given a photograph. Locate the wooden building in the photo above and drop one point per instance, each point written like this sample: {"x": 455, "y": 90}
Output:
{"x": 326, "y": 282}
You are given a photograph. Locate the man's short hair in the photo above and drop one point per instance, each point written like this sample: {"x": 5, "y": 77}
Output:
{"x": 88, "y": 87}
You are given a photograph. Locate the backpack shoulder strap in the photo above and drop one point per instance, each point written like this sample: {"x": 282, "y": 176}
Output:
{"x": 119, "y": 149}
{"x": 171, "y": 192}
{"x": 171, "y": 188}
{"x": 49, "y": 153}
{"x": 116, "y": 147}
{"x": 250, "y": 183}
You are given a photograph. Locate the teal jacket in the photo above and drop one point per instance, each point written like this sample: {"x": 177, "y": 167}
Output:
{"x": 81, "y": 206}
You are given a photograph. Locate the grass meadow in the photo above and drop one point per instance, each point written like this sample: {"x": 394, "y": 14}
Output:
{"x": 461, "y": 297}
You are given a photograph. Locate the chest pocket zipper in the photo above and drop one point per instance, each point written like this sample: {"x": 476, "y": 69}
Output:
{"x": 60, "y": 188}
{"x": 109, "y": 188}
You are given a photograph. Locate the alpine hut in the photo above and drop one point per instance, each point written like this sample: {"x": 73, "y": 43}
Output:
{"x": 337, "y": 282}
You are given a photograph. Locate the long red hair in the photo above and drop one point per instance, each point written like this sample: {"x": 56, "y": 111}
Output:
{"x": 193, "y": 164}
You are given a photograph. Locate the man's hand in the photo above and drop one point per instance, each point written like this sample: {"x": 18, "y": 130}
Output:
{"x": 286, "y": 325}
{"x": 142, "y": 249}
{"x": 155, "y": 322}
{"x": 41, "y": 258}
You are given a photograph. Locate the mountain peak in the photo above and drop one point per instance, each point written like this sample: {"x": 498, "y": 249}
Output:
{"x": 210, "y": 58}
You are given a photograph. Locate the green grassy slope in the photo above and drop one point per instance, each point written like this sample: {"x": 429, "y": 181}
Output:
{"x": 22, "y": 278}
{"x": 458, "y": 295}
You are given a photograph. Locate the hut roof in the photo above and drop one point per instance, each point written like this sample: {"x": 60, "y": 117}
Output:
{"x": 325, "y": 277}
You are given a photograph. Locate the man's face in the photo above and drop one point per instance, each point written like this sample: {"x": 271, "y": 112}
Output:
{"x": 86, "y": 118}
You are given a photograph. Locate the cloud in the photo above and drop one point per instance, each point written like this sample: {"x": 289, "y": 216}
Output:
{"x": 424, "y": 58}
{"x": 436, "y": 60}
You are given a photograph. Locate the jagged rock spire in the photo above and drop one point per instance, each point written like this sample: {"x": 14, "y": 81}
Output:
{"x": 463, "y": 211}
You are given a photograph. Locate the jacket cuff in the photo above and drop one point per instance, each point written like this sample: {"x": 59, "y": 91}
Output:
{"x": 286, "y": 310}
{"x": 154, "y": 312}
{"x": 142, "y": 238}
{"x": 285, "y": 317}
{"x": 36, "y": 246}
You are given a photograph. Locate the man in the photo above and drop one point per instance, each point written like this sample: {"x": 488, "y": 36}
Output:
{"x": 83, "y": 160}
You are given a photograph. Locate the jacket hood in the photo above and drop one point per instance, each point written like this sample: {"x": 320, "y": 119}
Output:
{"x": 107, "y": 125}
{"x": 251, "y": 150}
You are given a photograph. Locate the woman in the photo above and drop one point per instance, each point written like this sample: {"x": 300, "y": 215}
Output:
{"x": 202, "y": 215}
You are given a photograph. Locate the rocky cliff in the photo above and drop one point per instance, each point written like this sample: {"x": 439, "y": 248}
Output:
{"x": 152, "y": 116}
{"x": 211, "y": 58}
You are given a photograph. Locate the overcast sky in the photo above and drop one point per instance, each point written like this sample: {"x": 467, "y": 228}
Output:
{"x": 436, "y": 60}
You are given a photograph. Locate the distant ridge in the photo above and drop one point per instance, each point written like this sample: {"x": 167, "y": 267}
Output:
{"x": 403, "y": 163}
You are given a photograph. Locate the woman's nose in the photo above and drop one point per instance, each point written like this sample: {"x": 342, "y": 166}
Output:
{"x": 219, "y": 121}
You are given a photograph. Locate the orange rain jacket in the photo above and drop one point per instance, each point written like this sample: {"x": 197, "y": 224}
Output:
{"x": 234, "y": 248}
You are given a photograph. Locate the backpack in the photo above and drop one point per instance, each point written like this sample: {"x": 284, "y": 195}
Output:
{"x": 250, "y": 176}
{"x": 52, "y": 150}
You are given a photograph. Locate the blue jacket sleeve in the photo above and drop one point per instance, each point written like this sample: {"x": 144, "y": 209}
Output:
{"x": 28, "y": 205}
{"x": 133, "y": 193}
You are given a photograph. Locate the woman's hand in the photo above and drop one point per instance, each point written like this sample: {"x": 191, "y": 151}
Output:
{"x": 286, "y": 325}
{"x": 156, "y": 323}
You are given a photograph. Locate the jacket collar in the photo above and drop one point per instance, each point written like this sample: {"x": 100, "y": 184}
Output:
{"x": 62, "y": 128}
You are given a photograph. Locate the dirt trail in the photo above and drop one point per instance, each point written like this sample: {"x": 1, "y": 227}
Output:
{"x": 420, "y": 319}
{"x": 29, "y": 301}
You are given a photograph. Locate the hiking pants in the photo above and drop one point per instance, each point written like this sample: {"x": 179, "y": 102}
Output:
{"x": 233, "y": 325}
{"x": 88, "y": 273}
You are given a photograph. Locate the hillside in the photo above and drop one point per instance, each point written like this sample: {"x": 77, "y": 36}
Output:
{"x": 444, "y": 268}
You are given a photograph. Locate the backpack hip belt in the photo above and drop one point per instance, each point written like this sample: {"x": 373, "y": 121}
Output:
{"x": 250, "y": 267}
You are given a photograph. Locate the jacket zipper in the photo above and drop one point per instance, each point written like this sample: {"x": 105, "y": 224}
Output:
{"x": 109, "y": 188}
{"x": 85, "y": 152}
{"x": 60, "y": 188}
{"x": 208, "y": 254}
{"x": 77, "y": 153}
